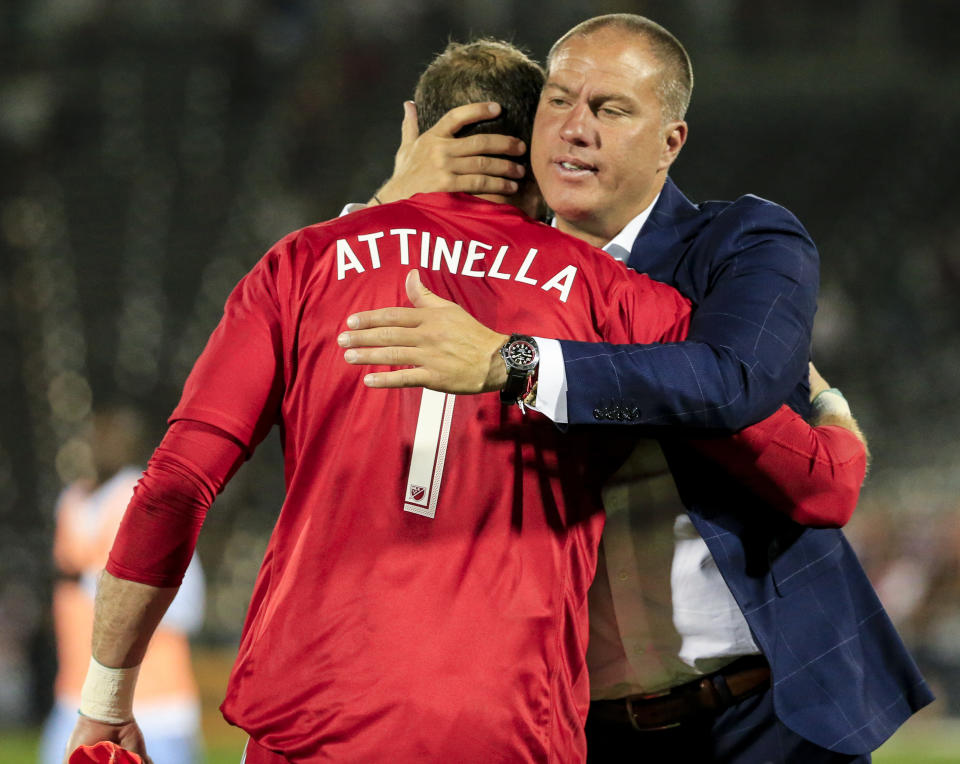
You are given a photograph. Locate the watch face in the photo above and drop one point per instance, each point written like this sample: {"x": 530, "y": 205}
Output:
{"x": 521, "y": 354}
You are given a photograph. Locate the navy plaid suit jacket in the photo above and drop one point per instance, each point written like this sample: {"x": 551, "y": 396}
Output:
{"x": 841, "y": 675}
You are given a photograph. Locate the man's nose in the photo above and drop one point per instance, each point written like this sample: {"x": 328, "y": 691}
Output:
{"x": 576, "y": 127}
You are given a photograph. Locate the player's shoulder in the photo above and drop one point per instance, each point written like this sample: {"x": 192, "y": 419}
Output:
{"x": 320, "y": 235}
{"x": 348, "y": 220}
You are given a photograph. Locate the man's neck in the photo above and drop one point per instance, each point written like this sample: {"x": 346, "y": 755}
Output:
{"x": 623, "y": 237}
{"x": 599, "y": 234}
{"x": 597, "y": 239}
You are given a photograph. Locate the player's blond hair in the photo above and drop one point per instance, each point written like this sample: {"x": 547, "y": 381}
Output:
{"x": 482, "y": 70}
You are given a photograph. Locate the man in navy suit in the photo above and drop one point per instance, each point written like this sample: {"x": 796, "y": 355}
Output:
{"x": 690, "y": 607}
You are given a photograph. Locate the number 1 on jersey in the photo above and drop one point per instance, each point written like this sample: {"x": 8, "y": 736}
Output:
{"x": 429, "y": 453}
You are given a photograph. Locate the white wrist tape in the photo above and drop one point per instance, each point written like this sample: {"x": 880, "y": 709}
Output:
{"x": 107, "y": 693}
{"x": 830, "y": 402}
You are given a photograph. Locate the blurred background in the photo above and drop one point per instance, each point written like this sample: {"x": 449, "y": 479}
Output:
{"x": 151, "y": 151}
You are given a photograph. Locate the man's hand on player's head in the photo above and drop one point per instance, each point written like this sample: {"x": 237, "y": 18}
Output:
{"x": 449, "y": 350}
{"x": 90, "y": 732}
{"x": 436, "y": 161}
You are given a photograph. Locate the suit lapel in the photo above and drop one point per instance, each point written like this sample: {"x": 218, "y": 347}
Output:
{"x": 663, "y": 231}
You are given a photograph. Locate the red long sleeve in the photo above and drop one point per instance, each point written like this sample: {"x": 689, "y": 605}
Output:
{"x": 813, "y": 474}
{"x": 159, "y": 529}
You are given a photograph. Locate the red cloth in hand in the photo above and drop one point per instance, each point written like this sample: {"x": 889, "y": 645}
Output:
{"x": 103, "y": 752}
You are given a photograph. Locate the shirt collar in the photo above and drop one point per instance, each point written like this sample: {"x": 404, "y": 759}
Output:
{"x": 621, "y": 244}
{"x": 623, "y": 241}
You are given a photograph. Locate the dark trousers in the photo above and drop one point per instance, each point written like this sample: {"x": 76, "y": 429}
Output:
{"x": 747, "y": 733}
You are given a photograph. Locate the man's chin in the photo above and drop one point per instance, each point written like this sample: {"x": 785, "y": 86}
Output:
{"x": 566, "y": 210}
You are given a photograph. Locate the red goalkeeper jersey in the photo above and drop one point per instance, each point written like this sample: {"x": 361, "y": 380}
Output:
{"x": 423, "y": 595}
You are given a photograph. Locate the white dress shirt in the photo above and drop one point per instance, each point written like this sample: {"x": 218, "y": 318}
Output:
{"x": 660, "y": 612}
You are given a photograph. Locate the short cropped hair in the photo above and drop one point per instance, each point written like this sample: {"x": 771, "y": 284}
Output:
{"x": 676, "y": 76}
{"x": 482, "y": 70}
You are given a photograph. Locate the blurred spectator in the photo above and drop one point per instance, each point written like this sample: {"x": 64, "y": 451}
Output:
{"x": 913, "y": 561}
{"x": 924, "y": 573}
{"x": 87, "y": 517}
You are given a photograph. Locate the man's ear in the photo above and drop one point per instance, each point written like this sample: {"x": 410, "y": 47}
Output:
{"x": 674, "y": 136}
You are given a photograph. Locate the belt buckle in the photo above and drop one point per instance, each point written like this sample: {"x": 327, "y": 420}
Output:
{"x": 633, "y": 720}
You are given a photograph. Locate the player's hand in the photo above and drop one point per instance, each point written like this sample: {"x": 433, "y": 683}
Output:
{"x": 436, "y": 161}
{"x": 841, "y": 419}
{"x": 817, "y": 383}
{"x": 449, "y": 350}
{"x": 90, "y": 732}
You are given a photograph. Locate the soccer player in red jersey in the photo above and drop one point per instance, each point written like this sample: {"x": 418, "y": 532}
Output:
{"x": 423, "y": 595}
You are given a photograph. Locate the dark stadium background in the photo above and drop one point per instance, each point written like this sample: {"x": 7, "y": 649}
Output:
{"x": 151, "y": 151}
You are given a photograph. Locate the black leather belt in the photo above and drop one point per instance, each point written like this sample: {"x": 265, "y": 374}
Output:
{"x": 707, "y": 696}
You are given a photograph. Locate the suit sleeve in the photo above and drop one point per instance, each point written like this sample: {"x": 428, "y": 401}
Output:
{"x": 812, "y": 474}
{"x": 749, "y": 338}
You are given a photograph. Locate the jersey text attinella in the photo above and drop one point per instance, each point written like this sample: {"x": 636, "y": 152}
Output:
{"x": 458, "y": 257}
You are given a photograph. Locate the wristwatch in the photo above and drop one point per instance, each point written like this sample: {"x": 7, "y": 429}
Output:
{"x": 521, "y": 355}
